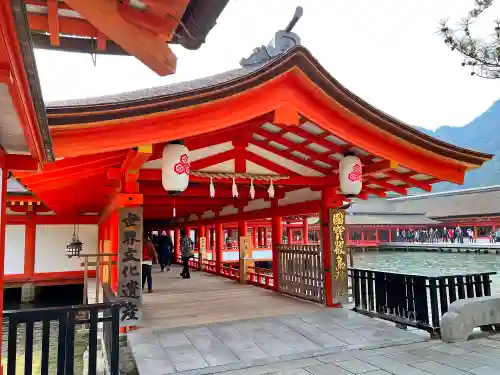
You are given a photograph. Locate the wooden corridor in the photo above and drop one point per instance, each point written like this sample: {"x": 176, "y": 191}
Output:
{"x": 207, "y": 298}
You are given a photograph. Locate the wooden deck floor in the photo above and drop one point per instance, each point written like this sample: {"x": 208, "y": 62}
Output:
{"x": 206, "y": 298}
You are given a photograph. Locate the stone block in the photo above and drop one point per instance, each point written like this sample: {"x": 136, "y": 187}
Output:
{"x": 466, "y": 314}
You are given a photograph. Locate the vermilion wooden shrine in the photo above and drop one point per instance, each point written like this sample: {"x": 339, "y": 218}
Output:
{"x": 285, "y": 118}
{"x": 280, "y": 120}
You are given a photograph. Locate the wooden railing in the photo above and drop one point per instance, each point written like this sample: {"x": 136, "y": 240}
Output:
{"x": 210, "y": 266}
{"x": 362, "y": 243}
{"x": 413, "y": 300}
{"x": 261, "y": 277}
{"x": 102, "y": 260}
{"x": 231, "y": 272}
{"x": 300, "y": 270}
{"x": 65, "y": 320}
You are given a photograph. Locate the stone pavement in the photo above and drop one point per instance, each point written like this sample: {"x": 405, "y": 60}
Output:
{"x": 301, "y": 343}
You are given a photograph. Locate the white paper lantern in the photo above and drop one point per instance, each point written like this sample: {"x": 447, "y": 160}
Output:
{"x": 175, "y": 168}
{"x": 350, "y": 175}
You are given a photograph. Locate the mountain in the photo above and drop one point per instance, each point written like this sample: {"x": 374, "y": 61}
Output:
{"x": 481, "y": 134}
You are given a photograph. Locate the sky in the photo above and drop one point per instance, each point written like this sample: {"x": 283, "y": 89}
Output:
{"x": 385, "y": 51}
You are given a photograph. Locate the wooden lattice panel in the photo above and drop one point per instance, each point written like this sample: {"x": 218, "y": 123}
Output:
{"x": 300, "y": 271}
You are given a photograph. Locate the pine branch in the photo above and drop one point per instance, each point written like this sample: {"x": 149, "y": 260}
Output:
{"x": 481, "y": 56}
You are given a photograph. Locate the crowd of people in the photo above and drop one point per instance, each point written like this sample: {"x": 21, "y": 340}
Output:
{"x": 435, "y": 235}
{"x": 159, "y": 249}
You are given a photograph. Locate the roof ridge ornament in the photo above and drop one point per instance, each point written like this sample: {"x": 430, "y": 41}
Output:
{"x": 283, "y": 41}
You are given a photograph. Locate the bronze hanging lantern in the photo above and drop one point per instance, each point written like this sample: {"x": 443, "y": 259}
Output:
{"x": 75, "y": 247}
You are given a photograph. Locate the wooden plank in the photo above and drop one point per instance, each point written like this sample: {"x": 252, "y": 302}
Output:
{"x": 207, "y": 298}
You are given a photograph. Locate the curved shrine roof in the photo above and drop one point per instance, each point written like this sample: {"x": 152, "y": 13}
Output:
{"x": 192, "y": 93}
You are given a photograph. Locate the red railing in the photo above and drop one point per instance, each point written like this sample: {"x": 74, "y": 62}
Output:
{"x": 230, "y": 272}
{"x": 360, "y": 243}
{"x": 192, "y": 263}
{"x": 261, "y": 277}
{"x": 210, "y": 266}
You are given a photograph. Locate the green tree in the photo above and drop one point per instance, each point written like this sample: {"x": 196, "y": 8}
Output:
{"x": 482, "y": 56}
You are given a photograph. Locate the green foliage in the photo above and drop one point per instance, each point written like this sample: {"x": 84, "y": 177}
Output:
{"x": 481, "y": 55}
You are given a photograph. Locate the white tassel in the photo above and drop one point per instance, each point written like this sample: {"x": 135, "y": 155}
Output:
{"x": 212, "y": 188}
{"x": 270, "y": 191}
{"x": 235, "y": 189}
{"x": 173, "y": 212}
{"x": 252, "y": 190}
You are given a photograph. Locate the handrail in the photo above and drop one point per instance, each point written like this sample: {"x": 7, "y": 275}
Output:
{"x": 85, "y": 264}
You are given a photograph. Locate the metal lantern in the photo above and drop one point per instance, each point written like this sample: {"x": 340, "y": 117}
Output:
{"x": 350, "y": 175}
{"x": 75, "y": 247}
{"x": 175, "y": 168}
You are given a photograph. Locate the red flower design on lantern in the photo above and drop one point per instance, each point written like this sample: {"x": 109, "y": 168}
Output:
{"x": 182, "y": 167}
{"x": 355, "y": 175}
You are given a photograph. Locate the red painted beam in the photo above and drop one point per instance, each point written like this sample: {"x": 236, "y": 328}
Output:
{"x": 53, "y": 9}
{"x": 90, "y": 168}
{"x": 284, "y": 154}
{"x": 191, "y": 201}
{"x": 300, "y": 181}
{"x": 221, "y": 191}
{"x": 309, "y": 207}
{"x": 21, "y": 163}
{"x": 384, "y": 184}
{"x": 135, "y": 158}
{"x": 409, "y": 180}
{"x": 213, "y": 160}
{"x": 276, "y": 168}
{"x": 118, "y": 201}
{"x": 292, "y": 146}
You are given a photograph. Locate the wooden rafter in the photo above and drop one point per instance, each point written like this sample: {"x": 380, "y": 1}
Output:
{"x": 137, "y": 41}
{"x": 53, "y": 20}
{"x": 287, "y": 155}
{"x": 292, "y": 146}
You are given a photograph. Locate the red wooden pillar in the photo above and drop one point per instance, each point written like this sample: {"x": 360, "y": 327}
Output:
{"x": 242, "y": 229}
{"x": 327, "y": 193}
{"x": 305, "y": 231}
{"x": 3, "y": 222}
{"x": 113, "y": 228}
{"x": 29, "y": 245}
{"x": 219, "y": 241}
{"x": 202, "y": 232}
{"x": 177, "y": 244}
{"x": 255, "y": 237}
{"x": 289, "y": 234}
{"x": 277, "y": 232}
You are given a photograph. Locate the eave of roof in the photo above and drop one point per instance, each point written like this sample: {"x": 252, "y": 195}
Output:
{"x": 150, "y": 101}
{"x": 26, "y": 49}
{"x": 198, "y": 19}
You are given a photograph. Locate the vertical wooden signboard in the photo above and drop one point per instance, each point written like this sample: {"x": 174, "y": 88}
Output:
{"x": 339, "y": 255}
{"x": 129, "y": 264}
{"x": 244, "y": 253}
{"x": 203, "y": 252}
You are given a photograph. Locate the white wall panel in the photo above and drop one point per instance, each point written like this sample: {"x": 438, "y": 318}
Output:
{"x": 50, "y": 247}
{"x": 14, "y": 249}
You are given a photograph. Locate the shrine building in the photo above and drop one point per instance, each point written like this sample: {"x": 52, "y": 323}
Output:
{"x": 248, "y": 154}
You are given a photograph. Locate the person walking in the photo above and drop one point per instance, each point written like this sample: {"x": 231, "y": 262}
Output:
{"x": 165, "y": 247}
{"x": 148, "y": 255}
{"x": 186, "y": 246}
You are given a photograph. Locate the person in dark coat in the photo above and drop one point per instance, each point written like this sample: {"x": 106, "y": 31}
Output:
{"x": 165, "y": 248}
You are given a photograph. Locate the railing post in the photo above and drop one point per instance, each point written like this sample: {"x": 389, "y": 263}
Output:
{"x": 219, "y": 240}
{"x": 85, "y": 279}
{"x": 277, "y": 233}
